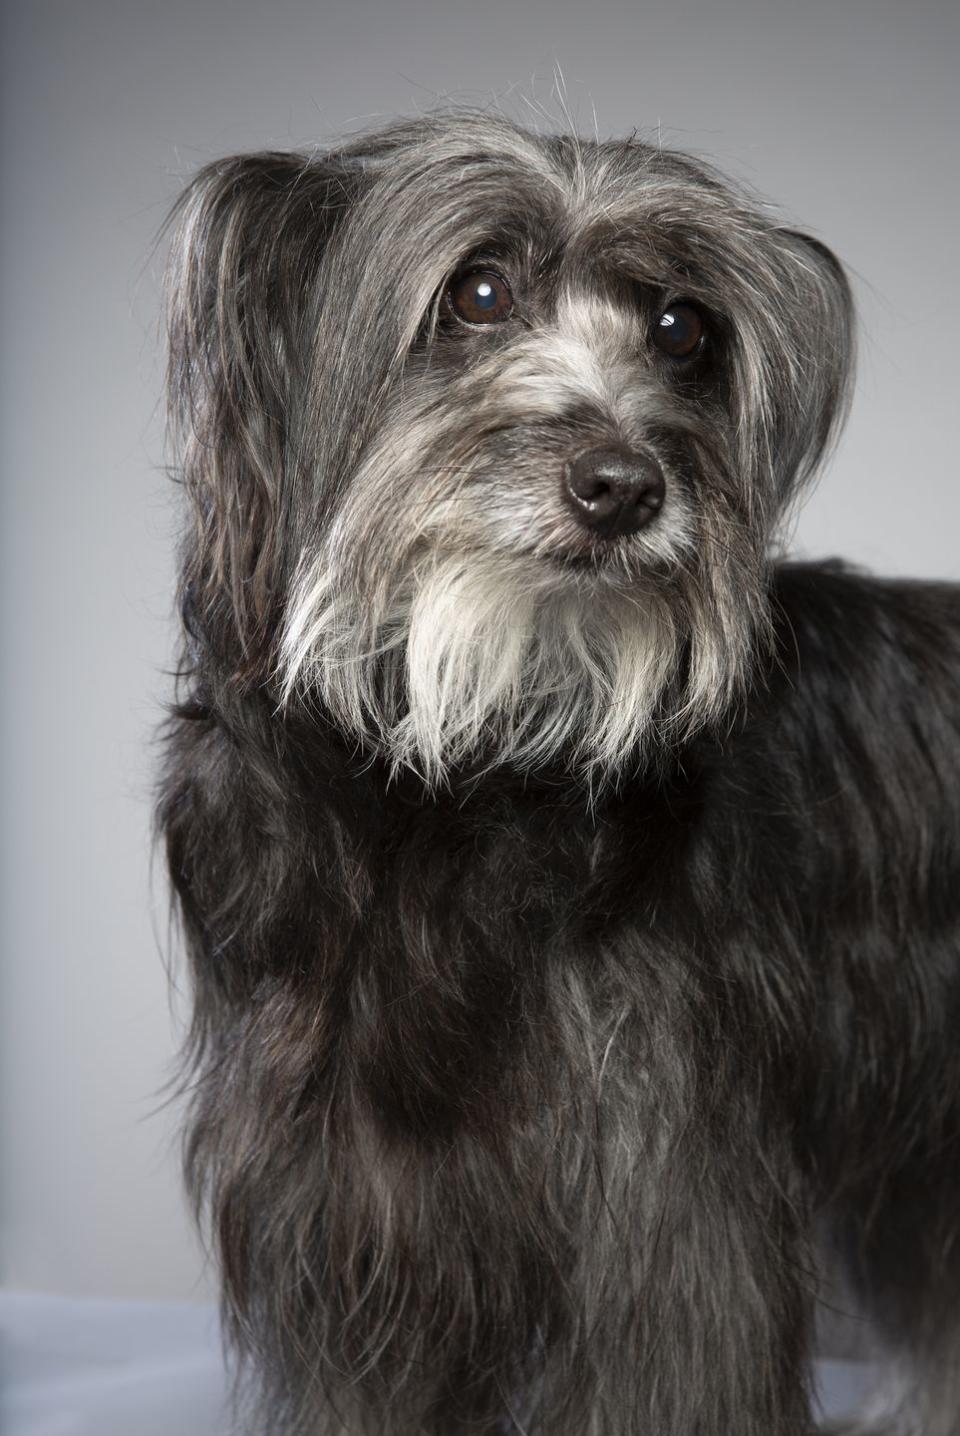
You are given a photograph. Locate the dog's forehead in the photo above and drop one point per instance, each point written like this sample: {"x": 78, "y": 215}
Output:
{"x": 627, "y": 206}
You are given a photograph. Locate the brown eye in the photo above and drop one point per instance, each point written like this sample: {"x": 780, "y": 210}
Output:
{"x": 680, "y": 331}
{"x": 480, "y": 298}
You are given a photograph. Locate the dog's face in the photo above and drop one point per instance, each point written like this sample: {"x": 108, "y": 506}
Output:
{"x": 490, "y": 433}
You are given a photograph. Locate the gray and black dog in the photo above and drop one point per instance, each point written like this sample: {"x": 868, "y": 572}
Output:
{"x": 571, "y": 890}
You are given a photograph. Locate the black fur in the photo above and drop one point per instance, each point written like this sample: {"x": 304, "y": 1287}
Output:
{"x": 519, "y": 1099}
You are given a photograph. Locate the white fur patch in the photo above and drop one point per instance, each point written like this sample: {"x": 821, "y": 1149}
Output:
{"x": 477, "y": 655}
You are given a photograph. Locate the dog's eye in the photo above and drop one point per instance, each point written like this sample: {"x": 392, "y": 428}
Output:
{"x": 480, "y": 298}
{"x": 680, "y": 331}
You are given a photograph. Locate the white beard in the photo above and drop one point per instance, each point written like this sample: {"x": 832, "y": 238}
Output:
{"x": 472, "y": 655}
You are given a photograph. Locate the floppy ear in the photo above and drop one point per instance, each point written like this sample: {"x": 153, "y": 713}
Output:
{"x": 816, "y": 323}
{"x": 250, "y": 235}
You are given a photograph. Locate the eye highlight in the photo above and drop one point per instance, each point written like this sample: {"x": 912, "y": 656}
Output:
{"x": 680, "y": 332}
{"x": 480, "y": 297}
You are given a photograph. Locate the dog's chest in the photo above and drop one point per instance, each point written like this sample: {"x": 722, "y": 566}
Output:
{"x": 517, "y": 960}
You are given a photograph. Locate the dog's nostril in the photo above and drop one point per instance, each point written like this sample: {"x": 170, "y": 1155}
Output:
{"x": 614, "y": 491}
{"x": 588, "y": 484}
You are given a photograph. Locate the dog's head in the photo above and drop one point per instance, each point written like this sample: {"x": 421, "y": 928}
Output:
{"x": 489, "y": 433}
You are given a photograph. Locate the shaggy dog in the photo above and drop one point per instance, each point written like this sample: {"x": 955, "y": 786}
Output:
{"x": 571, "y": 890}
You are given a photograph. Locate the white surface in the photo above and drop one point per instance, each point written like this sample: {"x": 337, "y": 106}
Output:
{"x": 106, "y": 1368}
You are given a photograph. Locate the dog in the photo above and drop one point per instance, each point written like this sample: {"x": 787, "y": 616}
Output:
{"x": 570, "y": 884}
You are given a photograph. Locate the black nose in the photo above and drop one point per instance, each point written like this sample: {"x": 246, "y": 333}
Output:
{"x": 614, "y": 491}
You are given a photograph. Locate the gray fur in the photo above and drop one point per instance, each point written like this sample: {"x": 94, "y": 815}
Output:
{"x": 572, "y": 921}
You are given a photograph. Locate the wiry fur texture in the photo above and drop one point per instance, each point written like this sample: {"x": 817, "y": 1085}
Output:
{"x": 573, "y": 922}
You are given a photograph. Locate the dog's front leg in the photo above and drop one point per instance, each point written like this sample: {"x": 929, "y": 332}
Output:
{"x": 699, "y": 1323}
{"x": 470, "y": 1292}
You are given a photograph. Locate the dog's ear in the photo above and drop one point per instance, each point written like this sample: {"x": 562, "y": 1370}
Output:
{"x": 250, "y": 233}
{"x": 812, "y": 327}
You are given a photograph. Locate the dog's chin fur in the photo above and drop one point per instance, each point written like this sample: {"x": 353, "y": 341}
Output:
{"x": 573, "y": 919}
{"x": 493, "y": 661}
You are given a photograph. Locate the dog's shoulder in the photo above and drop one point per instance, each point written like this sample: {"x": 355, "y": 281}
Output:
{"x": 841, "y": 632}
{"x": 862, "y": 700}
{"x": 846, "y": 767}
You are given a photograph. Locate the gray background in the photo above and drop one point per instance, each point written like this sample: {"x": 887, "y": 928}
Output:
{"x": 845, "y": 113}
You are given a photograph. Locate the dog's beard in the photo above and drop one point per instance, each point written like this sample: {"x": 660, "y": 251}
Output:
{"x": 468, "y": 659}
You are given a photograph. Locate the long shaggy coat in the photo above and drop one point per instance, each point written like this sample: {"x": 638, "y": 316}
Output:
{"x": 574, "y": 944}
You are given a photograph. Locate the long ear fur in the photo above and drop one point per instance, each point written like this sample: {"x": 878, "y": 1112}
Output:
{"x": 818, "y": 300}
{"x": 250, "y": 234}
